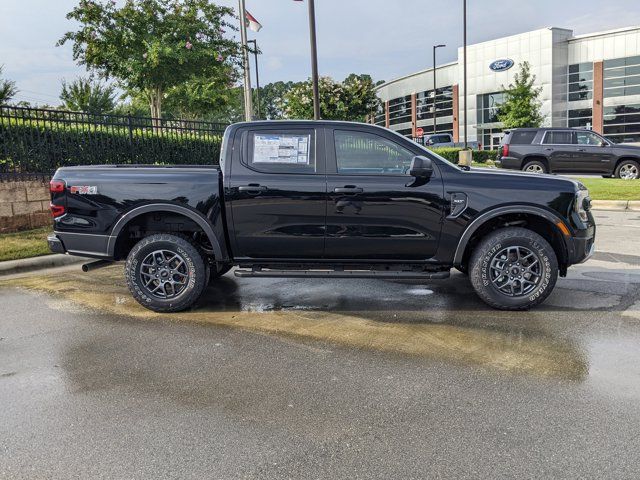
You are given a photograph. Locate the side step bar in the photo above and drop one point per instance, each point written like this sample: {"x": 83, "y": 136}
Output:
{"x": 403, "y": 275}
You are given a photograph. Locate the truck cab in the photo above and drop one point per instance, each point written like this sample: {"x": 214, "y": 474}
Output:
{"x": 323, "y": 199}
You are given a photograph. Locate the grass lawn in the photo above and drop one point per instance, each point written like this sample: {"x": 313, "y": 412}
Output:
{"x": 30, "y": 243}
{"x": 612, "y": 188}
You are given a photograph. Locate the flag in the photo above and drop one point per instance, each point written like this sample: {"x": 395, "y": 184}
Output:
{"x": 253, "y": 24}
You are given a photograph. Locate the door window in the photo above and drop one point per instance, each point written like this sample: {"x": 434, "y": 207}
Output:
{"x": 558, "y": 138}
{"x": 360, "y": 153}
{"x": 588, "y": 138}
{"x": 272, "y": 151}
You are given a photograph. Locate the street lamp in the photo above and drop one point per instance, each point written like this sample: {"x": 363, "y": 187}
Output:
{"x": 255, "y": 56}
{"x": 464, "y": 66}
{"x": 435, "y": 92}
{"x": 314, "y": 58}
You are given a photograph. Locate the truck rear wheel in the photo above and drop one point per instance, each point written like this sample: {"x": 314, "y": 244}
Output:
{"x": 166, "y": 273}
{"x": 513, "y": 269}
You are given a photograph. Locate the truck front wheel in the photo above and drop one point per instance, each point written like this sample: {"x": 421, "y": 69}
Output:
{"x": 166, "y": 273}
{"x": 513, "y": 269}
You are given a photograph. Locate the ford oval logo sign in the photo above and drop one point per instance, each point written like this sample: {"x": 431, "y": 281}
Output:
{"x": 501, "y": 65}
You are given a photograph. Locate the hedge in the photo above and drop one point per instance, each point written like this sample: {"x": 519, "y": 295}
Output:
{"x": 41, "y": 147}
{"x": 478, "y": 156}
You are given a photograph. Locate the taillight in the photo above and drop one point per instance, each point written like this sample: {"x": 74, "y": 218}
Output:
{"x": 505, "y": 150}
{"x": 56, "y": 186}
{"x": 57, "y": 210}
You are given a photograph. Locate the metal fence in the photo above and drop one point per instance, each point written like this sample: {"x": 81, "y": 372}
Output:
{"x": 35, "y": 142}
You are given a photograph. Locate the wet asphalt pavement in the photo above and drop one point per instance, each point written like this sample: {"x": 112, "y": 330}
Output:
{"x": 273, "y": 378}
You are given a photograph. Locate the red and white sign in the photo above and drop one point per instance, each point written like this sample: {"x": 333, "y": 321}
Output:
{"x": 419, "y": 132}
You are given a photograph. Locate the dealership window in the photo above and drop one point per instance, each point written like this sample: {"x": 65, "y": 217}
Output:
{"x": 400, "y": 110}
{"x": 580, "y": 117}
{"x": 622, "y": 77}
{"x": 380, "y": 117}
{"x": 580, "y": 81}
{"x": 487, "y": 106}
{"x": 443, "y": 100}
{"x": 622, "y": 123}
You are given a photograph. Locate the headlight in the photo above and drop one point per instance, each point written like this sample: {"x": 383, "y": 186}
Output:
{"x": 583, "y": 204}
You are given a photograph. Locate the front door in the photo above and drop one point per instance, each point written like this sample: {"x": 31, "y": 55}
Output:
{"x": 591, "y": 154}
{"x": 375, "y": 210}
{"x": 277, "y": 191}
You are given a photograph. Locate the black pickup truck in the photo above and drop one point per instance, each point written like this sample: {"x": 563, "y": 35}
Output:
{"x": 322, "y": 199}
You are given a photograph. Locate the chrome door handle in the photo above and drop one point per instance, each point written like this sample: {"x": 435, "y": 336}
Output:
{"x": 348, "y": 189}
{"x": 253, "y": 189}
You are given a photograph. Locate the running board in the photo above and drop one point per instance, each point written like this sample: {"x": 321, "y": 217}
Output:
{"x": 397, "y": 275}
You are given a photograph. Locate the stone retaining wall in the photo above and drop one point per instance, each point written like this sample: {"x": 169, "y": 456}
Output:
{"x": 24, "y": 205}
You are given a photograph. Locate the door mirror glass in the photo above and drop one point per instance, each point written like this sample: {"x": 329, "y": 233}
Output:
{"x": 421, "y": 167}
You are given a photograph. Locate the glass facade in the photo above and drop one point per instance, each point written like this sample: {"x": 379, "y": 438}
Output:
{"x": 400, "y": 110}
{"x": 580, "y": 81}
{"x": 580, "y": 118}
{"x": 622, "y": 123}
{"x": 487, "y": 106}
{"x": 622, "y": 77}
{"x": 379, "y": 117}
{"x": 443, "y": 103}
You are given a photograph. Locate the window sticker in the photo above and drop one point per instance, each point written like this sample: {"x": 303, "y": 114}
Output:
{"x": 283, "y": 149}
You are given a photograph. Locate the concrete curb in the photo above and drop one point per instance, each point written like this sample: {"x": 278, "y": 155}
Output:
{"x": 617, "y": 205}
{"x": 11, "y": 267}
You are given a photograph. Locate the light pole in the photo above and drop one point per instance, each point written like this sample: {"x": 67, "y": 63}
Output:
{"x": 434, "y": 84}
{"x": 255, "y": 56}
{"x": 248, "y": 103}
{"x": 464, "y": 66}
{"x": 314, "y": 59}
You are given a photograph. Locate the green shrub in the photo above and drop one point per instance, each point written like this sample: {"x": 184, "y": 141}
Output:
{"x": 451, "y": 154}
{"x": 42, "y": 146}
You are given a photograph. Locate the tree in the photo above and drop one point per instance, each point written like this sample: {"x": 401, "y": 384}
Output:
{"x": 151, "y": 46}
{"x": 272, "y": 99}
{"x": 521, "y": 107}
{"x": 7, "y": 88}
{"x": 88, "y": 95}
{"x": 353, "y": 99}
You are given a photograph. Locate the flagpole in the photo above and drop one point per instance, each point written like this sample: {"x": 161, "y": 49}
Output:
{"x": 248, "y": 103}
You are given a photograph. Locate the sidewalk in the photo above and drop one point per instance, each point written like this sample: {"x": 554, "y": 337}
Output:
{"x": 11, "y": 267}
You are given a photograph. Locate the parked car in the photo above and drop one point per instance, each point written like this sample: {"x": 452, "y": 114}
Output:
{"x": 439, "y": 140}
{"x": 562, "y": 150}
{"x": 322, "y": 199}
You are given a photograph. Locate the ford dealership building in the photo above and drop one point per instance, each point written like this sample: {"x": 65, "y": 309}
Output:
{"x": 590, "y": 81}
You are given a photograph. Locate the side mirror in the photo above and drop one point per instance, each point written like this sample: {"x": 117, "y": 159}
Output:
{"x": 603, "y": 143}
{"x": 421, "y": 167}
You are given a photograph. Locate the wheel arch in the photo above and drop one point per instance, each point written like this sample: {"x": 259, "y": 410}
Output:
{"x": 539, "y": 220}
{"x": 627, "y": 157}
{"x": 131, "y": 215}
{"x": 536, "y": 157}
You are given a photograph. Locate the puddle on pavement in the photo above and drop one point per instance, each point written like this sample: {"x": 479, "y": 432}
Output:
{"x": 358, "y": 315}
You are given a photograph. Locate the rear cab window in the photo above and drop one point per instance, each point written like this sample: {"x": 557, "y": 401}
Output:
{"x": 281, "y": 151}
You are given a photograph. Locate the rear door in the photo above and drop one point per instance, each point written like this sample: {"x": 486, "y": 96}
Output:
{"x": 277, "y": 190}
{"x": 375, "y": 210}
{"x": 559, "y": 147}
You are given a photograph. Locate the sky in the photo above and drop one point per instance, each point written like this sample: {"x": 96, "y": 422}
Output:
{"x": 384, "y": 38}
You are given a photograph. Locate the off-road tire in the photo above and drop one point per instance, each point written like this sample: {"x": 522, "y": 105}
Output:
{"x": 535, "y": 164}
{"x": 219, "y": 273}
{"x": 490, "y": 246}
{"x": 628, "y": 164}
{"x": 196, "y": 266}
